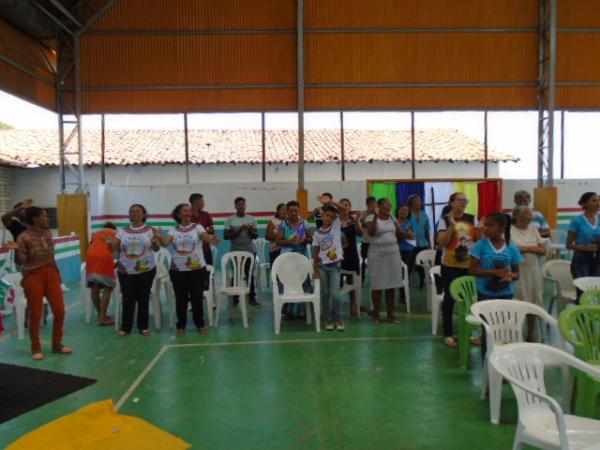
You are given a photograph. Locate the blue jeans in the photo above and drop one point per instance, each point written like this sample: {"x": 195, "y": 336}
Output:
{"x": 329, "y": 275}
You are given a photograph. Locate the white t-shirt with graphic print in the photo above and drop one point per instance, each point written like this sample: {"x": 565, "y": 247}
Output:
{"x": 136, "y": 255}
{"x": 186, "y": 248}
{"x": 329, "y": 243}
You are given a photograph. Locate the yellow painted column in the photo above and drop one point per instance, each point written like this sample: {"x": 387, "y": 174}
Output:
{"x": 302, "y": 198}
{"x": 545, "y": 200}
{"x": 72, "y": 212}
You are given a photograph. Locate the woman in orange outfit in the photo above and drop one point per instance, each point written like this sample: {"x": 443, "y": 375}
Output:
{"x": 100, "y": 271}
{"x": 41, "y": 278}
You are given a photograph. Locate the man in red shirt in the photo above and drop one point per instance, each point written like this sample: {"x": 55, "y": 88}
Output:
{"x": 203, "y": 218}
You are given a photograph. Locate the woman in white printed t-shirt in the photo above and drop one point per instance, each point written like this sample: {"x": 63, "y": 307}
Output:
{"x": 136, "y": 268}
{"x": 188, "y": 267}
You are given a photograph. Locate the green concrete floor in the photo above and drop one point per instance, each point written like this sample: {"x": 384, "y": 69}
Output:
{"x": 391, "y": 386}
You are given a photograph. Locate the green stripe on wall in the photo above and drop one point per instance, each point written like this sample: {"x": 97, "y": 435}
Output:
{"x": 66, "y": 249}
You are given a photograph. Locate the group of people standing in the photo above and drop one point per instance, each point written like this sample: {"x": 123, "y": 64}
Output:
{"x": 502, "y": 251}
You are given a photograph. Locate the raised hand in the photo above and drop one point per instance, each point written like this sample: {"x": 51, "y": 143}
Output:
{"x": 323, "y": 199}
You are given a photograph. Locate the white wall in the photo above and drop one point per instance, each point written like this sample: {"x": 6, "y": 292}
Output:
{"x": 162, "y": 185}
{"x": 221, "y": 183}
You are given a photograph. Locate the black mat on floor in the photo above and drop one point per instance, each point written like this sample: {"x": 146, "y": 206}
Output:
{"x": 23, "y": 389}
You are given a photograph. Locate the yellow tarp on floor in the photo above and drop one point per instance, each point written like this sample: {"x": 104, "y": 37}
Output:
{"x": 97, "y": 426}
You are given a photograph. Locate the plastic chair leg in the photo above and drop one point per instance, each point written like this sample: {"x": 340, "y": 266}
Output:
{"x": 586, "y": 396}
{"x": 87, "y": 302}
{"x": 435, "y": 316}
{"x": 218, "y": 304}
{"x": 277, "y": 316}
{"x": 463, "y": 345}
{"x": 494, "y": 381}
{"x": 156, "y": 307}
{"x": 117, "y": 313}
{"x": 308, "y": 316}
{"x": 317, "y": 309}
{"x": 244, "y": 309}
{"x": 407, "y": 296}
{"x": 20, "y": 318}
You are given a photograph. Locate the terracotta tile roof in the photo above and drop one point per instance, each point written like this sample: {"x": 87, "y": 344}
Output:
{"x": 26, "y": 148}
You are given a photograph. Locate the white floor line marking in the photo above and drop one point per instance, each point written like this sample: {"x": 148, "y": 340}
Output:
{"x": 306, "y": 341}
{"x": 140, "y": 378}
{"x": 165, "y": 348}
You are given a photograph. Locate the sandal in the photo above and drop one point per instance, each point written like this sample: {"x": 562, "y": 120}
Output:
{"x": 106, "y": 322}
{"x": 450, "y": 342}
{"x": 62, "y": 350}
{"x": 146, "y": 332}
{"x": 180, "y": 333}
{"x": 474, "y": 341}
{"x": 203, "y": 330}
{"x": 122, "y": 333}
{"x": 392, "y": 320}
{"x": 37, "y": 356}
{"x": 376, "y": 322}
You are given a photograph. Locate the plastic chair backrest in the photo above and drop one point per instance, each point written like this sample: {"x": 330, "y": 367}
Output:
{"x": 580, "y": 325}
{"x": 590, "y": 298}
{"x": 524, "y": 364}
{"x": 425, "y": 258}
{"x": 559, "y": 271}
{"x": 261, "y": 245}
{"x": 504, "y": 320}
{"x": 464, "y": 291}
{"x": 291, "y": 269}
{"x": 587, "y": 283}
{"x": 234, "y": 263}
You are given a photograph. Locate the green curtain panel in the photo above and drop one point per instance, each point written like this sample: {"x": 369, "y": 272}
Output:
{"x": 470, "y": 190}
{"x": 387, "y": 190}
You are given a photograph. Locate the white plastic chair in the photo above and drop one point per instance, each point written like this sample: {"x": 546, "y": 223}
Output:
{"x": 86, "y": 295}
{"x": 542, "y": 422}
{"x": 585, "y": 284}
{"x": 262, "y": 247}
{"x": 559, "y": 272}
{"x": 292, "y": 269}
{"x": 435, "y": 298}
{"x": 234, "y": 282}
{"x": 355, "y": 287}
{"x": 426, "y": 260}
{"x": 503, "y": 321}
{"x": 20, "y": 303}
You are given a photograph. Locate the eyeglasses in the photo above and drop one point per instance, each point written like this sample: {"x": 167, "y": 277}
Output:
{"x": 462, "y": 200}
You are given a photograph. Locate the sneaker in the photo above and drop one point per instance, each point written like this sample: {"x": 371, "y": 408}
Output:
{"x": 339, "y": 325}
{"x": 329, "y": 325}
